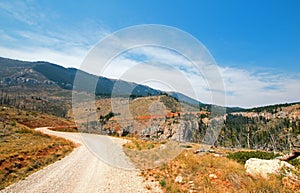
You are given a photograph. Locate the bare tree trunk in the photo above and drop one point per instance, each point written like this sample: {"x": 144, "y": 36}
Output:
{"x": 2, "y": 95}
{"x": 273, "y": 141}
{"x": 248, "y": 137}
{"x": 294, "y": 154}
{"x": 238, "y": 141}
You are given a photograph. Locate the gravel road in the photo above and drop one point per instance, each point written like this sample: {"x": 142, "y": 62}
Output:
{"x": 105, "y": 169}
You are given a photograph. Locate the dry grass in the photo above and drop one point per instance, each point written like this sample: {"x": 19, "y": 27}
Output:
{"x": 138, "y": 144}
{"x": 32, "y": 119}
{"x": 208, "y": 173}
{"x": 24, "y": 150}
{"x": 65, "y": 128}
{"x": 149, "y": 154}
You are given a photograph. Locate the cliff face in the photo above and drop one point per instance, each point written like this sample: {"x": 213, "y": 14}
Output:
{"x": 233, "y": 130}
{"x": 176, "y": 128}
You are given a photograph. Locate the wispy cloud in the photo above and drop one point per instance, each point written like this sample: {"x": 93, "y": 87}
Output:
{"x": 23, "y": 11}
{"x": 166, "y": 70}
{"x": 250, "y": 89}
{"x": 157, "y": 67}
{"x": 40, "y": 37}
{"x": 6, "y": 37}
{"x": 72, "y": 58}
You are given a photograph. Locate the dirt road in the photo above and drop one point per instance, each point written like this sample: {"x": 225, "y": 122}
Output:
{"x": 104, "y": 169}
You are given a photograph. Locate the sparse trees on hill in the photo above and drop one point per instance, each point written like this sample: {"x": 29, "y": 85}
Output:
{"x": 252, "y": 132}
{"x": 35, "y": 103}
{"x": 258, "y": 132}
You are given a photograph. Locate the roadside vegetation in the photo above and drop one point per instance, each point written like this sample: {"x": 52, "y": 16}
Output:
{"x": 138, "y": 144}
{"x": 64, "y": 128}
{"x": 32, "y": 119}
{"x": 222, "y": 171}
{"x": 243, "y": 156}
{"x": 207, "y": 172}
{"x": 24, "y": 150}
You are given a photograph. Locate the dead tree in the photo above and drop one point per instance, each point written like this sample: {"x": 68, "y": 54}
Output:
{"x": 294, "y": 147}
{"x": 294, "y": 152}
{"x": 248, "y": 137}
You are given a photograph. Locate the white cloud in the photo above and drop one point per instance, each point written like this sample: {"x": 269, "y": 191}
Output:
{"x": 248, "y": 89}
{"x": 154, "y": 66}
{"x": 163, "y": 69}
{"x": 6, "y": 37}
{"x": 39, "y": 37}
{"x": 24, "y": 11}
{"x": 71, "y": 59}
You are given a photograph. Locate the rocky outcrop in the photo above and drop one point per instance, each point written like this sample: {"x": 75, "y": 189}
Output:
{"x": 182, "y": 131}
{"x": 259, "y": 167}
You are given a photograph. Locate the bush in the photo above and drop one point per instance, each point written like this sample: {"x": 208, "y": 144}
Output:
{"x": 137, "y": 145}
{"x": 24, "y": 130}
{"x": 295, "y": 162}
{"x": 162, "y": 182}
{"x": 13, "y": 123}
{"x": 243, "y": 156}
{"x": 150, "y": 146}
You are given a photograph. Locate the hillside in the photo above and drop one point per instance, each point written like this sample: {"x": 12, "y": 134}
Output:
{"x": 134, "y": 115}
{"x": 14, "y": 72}
{"x": 150, "y": 118}
{"x": 23, "y": 150}
{"x": 22, "y": 82}
{"x": 42, "y": 86}
{"x": 163, "y": 117}
{"x": 46, "y": 87}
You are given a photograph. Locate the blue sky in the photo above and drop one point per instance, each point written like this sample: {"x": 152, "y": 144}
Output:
{"x": 256, "y": 44}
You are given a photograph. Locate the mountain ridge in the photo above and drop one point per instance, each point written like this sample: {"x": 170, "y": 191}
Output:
{"x": 15, "y": 71}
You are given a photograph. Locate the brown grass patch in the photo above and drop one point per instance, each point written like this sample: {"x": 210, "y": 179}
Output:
{"x": 32, "y": 119}
{"x": 208, "y": 173}
{"x": 138, "y": 144}
{"x": 27, "y": 151}
{"x": 24, "y": 150}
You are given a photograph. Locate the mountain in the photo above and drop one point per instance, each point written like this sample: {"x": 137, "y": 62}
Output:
{"x": 193, "y": 102}
{"x": 64, "y": 77}
{"x": 14, "y": 72}
{"x": 47, "y": 79}
{"x": 183, "y": 98}
{"x": 46, "y": 87}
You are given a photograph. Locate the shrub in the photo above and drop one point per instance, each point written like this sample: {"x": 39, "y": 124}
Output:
{"x": 150, "y": 146}
{"x": 295, "y": 162}
{"x": 24, "y": 130}
{"x": 243, "y": 156}
{"x": 163, "y": 182}
{"x": 173, "y": 188}
{"x": 137, "y": 145}
{"x": 13, "y": 123}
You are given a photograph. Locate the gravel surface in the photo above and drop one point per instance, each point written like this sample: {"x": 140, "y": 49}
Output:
{"x": 105, "y": 169}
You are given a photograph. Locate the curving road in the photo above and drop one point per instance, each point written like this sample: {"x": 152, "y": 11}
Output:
{"x": 98, "y": 164}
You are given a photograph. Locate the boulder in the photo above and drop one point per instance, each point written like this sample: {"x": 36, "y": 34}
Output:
{"x": 178, "y": 179}
{"x": 213, "y": 176}
{"x": 260, "y": 167}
